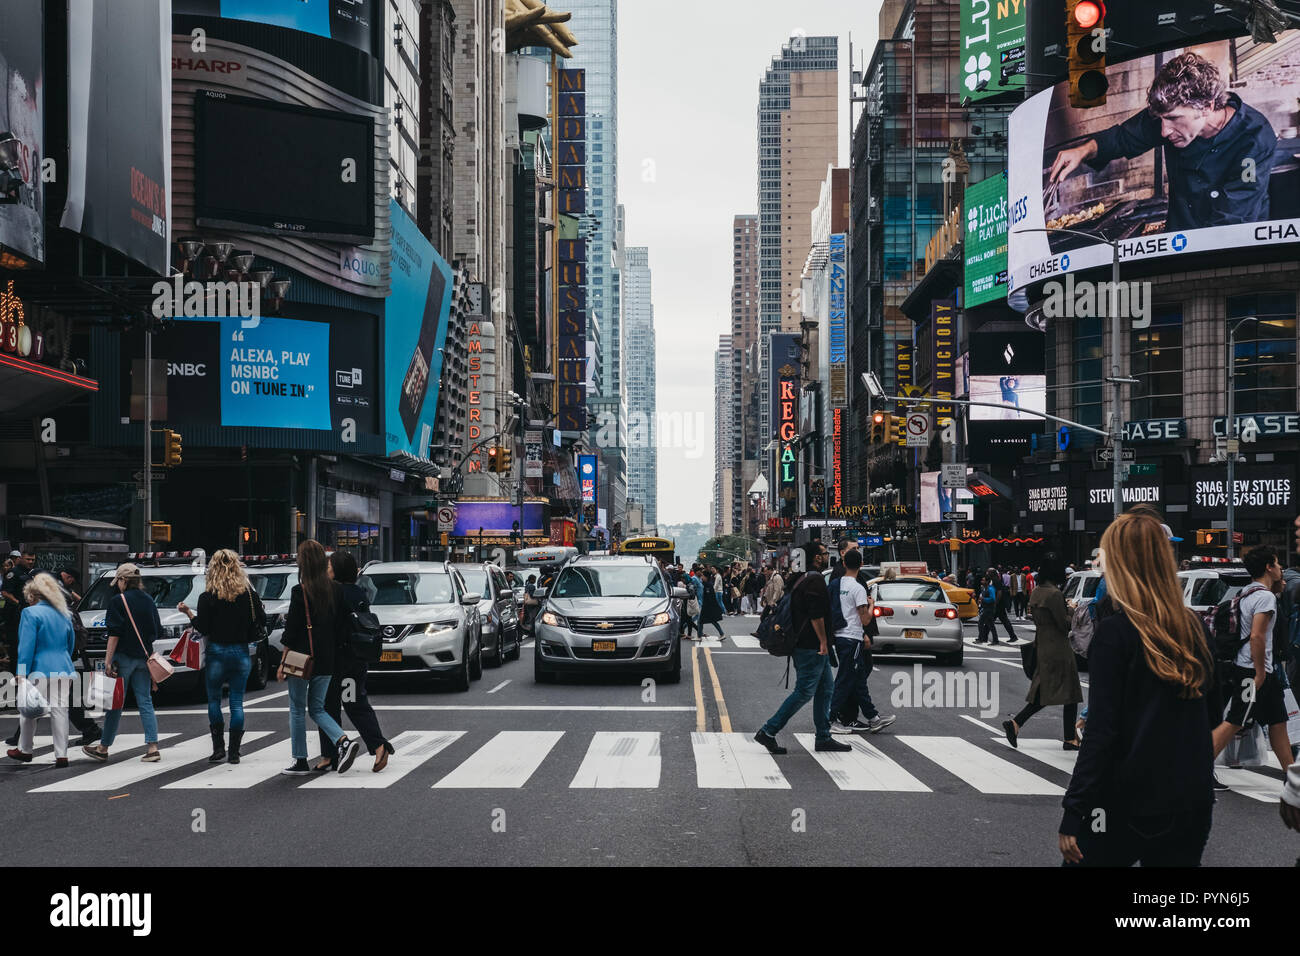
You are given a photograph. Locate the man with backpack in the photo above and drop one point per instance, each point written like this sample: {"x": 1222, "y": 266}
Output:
{"x": 1244, "y": 638}
{"x": 806, "y": 608}
{"x": 850, "y": 622}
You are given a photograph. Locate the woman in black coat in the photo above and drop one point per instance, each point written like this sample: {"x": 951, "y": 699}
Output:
{"x": 711, "y": 609}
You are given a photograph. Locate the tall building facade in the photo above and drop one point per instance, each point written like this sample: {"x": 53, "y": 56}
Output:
{"x": 639, "y": 319}
{"x": 741, "y": 441}
{"x": 402, "y": 97}
{"x": 723, "y": 461}
{"x": 798, "y": 131}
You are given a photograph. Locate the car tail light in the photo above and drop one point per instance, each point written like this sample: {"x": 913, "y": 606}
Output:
{"x": 949, "y": 612}
{"x": 880, "y": 611}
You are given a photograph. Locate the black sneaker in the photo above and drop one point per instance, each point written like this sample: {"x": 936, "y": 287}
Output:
{"x": 832, "y": 745}
{"x": 92, "y": 735}
{"x": 1219, "y": 785}
{"x": 299, "y": 768}
{"x": 1010, "y": 729}
{"x": 348, "y": 750}
{"x": 770, "y": 743}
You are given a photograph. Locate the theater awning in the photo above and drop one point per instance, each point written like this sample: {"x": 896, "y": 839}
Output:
{"x": 988, "y": 540}
{"x": 31, "y": 388}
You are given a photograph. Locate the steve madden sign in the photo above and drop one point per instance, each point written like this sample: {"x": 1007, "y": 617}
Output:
{"x": 1155, "y": 429}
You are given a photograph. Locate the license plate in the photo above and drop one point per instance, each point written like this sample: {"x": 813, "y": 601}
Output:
{"x": 604, "y": 645}
{"x": 99, "y": 666}
{"x": 386, "y": 656}
{"x": 913, "y": 633}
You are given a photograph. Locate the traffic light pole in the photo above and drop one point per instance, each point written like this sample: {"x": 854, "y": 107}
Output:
{"x": 148, "y": 436}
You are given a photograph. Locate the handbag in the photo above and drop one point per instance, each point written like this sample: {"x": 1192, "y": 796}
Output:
{"x": 1029, "y": 659}
{"x": 31, "y": 702}
{"x": 296, "y": 663}
{"x": 188, "y": 650}
{"x": 693, "y": 607}
{"x": 104, "y": 692}
{"x": 160, "y": 668}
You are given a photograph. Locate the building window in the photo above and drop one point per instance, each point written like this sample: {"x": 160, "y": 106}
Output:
{"x": 1087, "y": 376}
{"x": 1264, "y": 366}
{"x": 1158, "y": 366}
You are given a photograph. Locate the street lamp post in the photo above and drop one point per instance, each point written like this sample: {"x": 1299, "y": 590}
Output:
{"x": 1230, "y": 431}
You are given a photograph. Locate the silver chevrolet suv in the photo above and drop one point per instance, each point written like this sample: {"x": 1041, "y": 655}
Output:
{"x": 609, "y": 614}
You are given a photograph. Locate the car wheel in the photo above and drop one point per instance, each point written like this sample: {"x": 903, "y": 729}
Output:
{"x": 499, "y": 657}
{"x": 951, "y": 660}
{"x": 260, "y": 673}
{"x": 674, "y": 676}
{"x": 476, "y": 662}
{"x": 460, "y": 679}
{"x": 519, "y": 644}
{"x": 540, "y": 675}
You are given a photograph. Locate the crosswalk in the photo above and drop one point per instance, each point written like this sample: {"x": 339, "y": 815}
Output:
{"x": 511, "y": 760}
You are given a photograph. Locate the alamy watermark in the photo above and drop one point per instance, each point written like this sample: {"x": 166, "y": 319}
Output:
{"x": 948, "y": 688}
{"x": 175, "y": 297}
{"x": 676, "y": 430}
{"x": 1089, "y": 300}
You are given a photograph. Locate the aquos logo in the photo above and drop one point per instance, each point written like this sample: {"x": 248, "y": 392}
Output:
{"x": 1020, "y": 210}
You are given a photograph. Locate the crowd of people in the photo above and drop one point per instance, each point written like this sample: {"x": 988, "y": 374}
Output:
{"x": 320, "y": 664}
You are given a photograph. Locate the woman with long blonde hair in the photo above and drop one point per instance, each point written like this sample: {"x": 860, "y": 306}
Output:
{"x": 1142, "y": 788}
{"x": 231, "y": 617}
{"x": 45, "y": 644}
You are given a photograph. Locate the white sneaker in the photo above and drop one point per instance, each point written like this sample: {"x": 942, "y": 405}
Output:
{"x": 840, "y": 729}
{"x": 881, "y": 721}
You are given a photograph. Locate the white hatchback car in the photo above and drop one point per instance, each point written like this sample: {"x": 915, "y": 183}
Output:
{"x": 430, "y": 620}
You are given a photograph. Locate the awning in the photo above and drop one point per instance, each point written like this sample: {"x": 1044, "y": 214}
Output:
{"x": 988, "y": 540}
{"x": 32, "y": 388}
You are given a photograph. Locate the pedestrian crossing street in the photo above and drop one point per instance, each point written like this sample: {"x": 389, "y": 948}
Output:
{"x": 509, "y": 760}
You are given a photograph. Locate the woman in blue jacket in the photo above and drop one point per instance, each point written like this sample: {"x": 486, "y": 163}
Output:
{"x": 46, "y": 641}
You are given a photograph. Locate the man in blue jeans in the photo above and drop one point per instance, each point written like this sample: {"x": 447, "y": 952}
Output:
{"x": 853, "y": 648}
{"x": 810, "y": 605}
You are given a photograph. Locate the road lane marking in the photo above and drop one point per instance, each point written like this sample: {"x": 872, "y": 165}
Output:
{"x": 734, "y": 762}
{"x": 432, "y": 707}
{"x": 253, "y": 768}
{"x": 748, "y": 641}
{"x": 77, "y": 755}
{"x": 411, "y": 749}
{"x": 863, "y": 768}
{"x": 618, "y": 760}
{"x": 499, "y": 686}
{"x": 503, "y": 763}
{"x": 724, "y": 721}
{"x": 699, "y": 692}
{"x": 979, "y": 768}
{"x": 1248, "y": 783}
{"x": 132, "y": 770}
{"x": 257, "y": 700}
{"x": 978, "y": 723}
{"x": 1048, "y": 751}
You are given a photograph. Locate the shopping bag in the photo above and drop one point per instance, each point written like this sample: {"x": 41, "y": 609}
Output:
{"x": 1249, "y": 748}
{"x": 1292, "y": 716}
{"x": 104, "y": 692}
{"x": 188, "y": 650}
{"x": 31, "y": 702}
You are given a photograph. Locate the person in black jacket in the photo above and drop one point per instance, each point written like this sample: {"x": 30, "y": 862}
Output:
{"x": 231, "y": 617}
{"x": 314, "y": 626}
{"x": 1142, "y": 787}
{"x": 349, "y": 667}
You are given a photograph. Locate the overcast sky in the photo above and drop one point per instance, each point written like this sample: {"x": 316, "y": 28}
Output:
{"x": 688, "y": 163}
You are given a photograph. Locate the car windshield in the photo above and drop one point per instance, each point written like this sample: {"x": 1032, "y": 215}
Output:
{"x": 272, "y": 585}
{"x": 167, "y": 590}
{"x": 387, "y": 589}
{"x": 610, "y": 581}
{"x": 1210, "y": 591}
{"x": 476, "y": 579}
{"x": 908, "y": 591}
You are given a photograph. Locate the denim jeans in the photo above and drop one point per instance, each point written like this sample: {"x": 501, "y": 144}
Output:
{"x": 813, "y": 681}
{"x": 227, "y": 663}
{"x": 134, "y": 672}
{"x": 851, "y": 682}
{"x": 308, "y": 697}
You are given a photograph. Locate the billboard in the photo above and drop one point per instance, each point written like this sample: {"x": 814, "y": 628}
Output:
{"x": 1007, "y": 370}
{"x": 985, "y": 244}
{"x": 348, "y": 21}
{"x": 22, "y": 116}
{"x": 1194, "y": 153}
{"x": 497, "y": 518}
{"x": 992, "y": 47}
{"x": 936, "y": 500}
{"x": 1262, "y": 491}
{"x": 315, "y": 370}
{"x": 838, "y": 341}
{"x": 119, "y": 126}
{"x": 416, "y": 314}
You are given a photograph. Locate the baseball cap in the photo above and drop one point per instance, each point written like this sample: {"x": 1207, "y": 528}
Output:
{"x": 1169, "y": 533}
{"x": 15, "y": 554}
{"x": 127, "y": 570}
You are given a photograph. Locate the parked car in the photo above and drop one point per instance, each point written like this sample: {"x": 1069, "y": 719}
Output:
{"x": 430, "y": 621}
{"x": 914, "y": 616}
{"x": 502, "y": 635}
{"x": 1082, "y": 587}
{"x": 1206, "y": 588}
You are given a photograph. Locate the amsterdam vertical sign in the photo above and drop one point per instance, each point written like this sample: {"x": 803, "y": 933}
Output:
{"x": 571, "y": 200}
{"x": 838, "y": 347}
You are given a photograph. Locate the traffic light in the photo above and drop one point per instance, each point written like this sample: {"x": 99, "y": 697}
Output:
{"x": 1212, "y": 538}
{"x": 171, "y": 448}
{"x": 494, "y": 456}
{"x": 1085, "y": 27}
{"x": 248, "y": 535}
{"x": 880, "y": 428}
{"x": 505, "y": 459}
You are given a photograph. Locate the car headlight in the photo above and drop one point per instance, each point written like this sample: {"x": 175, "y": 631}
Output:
{"x": 439, "y": 627}
{"x": 663, "y": 617}
{"x": 552, "y": 619}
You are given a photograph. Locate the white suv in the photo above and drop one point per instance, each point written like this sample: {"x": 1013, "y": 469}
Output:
{"x": 430, "y": 620}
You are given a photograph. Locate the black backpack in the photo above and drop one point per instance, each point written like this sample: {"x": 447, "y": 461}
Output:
{"x": 365, "y": 633}
{"x": 1226, "y": 627}
{"x": 776, "y": 631}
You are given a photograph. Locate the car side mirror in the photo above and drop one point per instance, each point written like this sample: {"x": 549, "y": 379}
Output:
{"x": 679, "y": 593}
{"x": 540, "y": 594}
{"x": 470, "y": 600}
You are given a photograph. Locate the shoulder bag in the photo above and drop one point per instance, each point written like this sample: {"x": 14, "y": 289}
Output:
{"x": 160, "y": 668}
{"x": 295, "y": 663}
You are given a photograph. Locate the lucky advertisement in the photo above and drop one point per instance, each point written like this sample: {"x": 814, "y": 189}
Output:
{"x": 22, "y": 120}
{"x": 313, "y": 369}
{"x": 1195, "y": 152}
{"x": 985, "y": 244}
{"x": 119, "y": 127}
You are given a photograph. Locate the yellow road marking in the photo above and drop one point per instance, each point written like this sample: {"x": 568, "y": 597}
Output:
{"x": 723, "y": 720}
{"x": 699, "y": 693}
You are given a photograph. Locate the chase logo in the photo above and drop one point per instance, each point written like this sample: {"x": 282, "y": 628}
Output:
{"x": 1180, "y": 242}
{"x": 1065, "y": 263}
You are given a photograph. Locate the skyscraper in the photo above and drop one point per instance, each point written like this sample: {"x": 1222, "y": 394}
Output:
{"x": 742, "y": 446}
{"x": 723, "y": 452}
{"x": 798, "y": 130}
{"x": 639, "y": 327}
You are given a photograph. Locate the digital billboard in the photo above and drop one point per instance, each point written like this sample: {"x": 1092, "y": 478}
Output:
{"x": 22, "y": 116}
{"x": 416, "y": 314}
{"x": 992, "y": 46}
{"x": 1195, "y": 152}
{"x": 348, "y": 21}
{"x": 985, "y": 243}
{"x": 1017, "y": 394}
{"x": 1008, "y": 371}
{"x": 496, "y": 518}
{"x": 936, "y": 500}
{"x": 1262, "y": 491}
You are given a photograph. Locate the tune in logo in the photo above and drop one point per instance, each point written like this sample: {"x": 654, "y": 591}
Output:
{"x": 76, "y": 909}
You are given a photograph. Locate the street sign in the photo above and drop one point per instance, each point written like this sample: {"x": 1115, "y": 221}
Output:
{"x": 954, "y": 475}
{"x": 1148, "y": 468}
{"x": 955, "y": 516}
{"x": 153, "y": 476}
{"x": 1106, "y": 455}
{"x": 918, "y": 430}
{"x": 446, "y": 518}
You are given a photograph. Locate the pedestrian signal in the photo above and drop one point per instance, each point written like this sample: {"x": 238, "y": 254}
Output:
{"x": 1212, "y": 538}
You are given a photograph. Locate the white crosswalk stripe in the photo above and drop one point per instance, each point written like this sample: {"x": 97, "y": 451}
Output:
{"x": 1248, "y": 783}
{"x": 252, "y": 769}
{"x": 123, "y": 742}
{"x": 864, "y": 768}
{"x": 620, "y": 760}
{"x": 746, "y": 641}
{"x": 412, "y": 748}
{"x": 1046, "y": 750}
{"x": 979, "y": 768}
{"x": 734, "y": 762}
{"x": 504, "y": 763}
{"x": 129, "y": 770}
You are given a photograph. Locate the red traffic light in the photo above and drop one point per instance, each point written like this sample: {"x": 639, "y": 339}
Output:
{"x": 1088, "y": 13}
{"x": 878, "y": 418}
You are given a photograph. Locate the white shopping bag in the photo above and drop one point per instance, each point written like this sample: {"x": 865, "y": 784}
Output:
{"x": 31, "y": 702}
{"x": 1249, "y": 748}
{"x": 1292, "y": 715}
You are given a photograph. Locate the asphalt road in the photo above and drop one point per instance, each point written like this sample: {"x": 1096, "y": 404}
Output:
{"x": 602, "y": 772}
